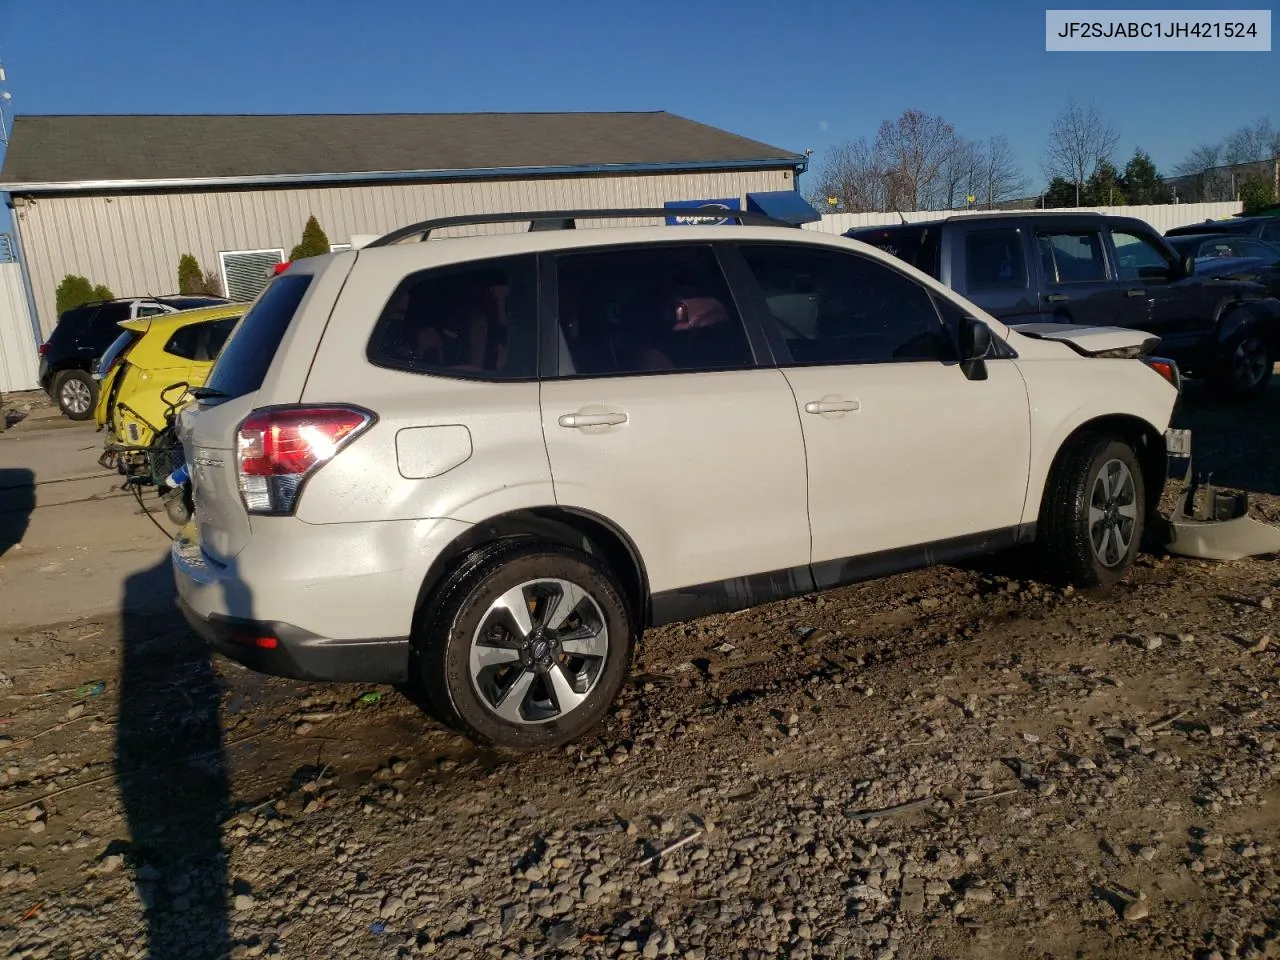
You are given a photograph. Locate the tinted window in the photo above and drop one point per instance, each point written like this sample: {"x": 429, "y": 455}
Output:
{"x": 184, "y": 342}
{"x": 1138, "y": 257}
{"x": 645, "y": 310}
{"x": 149, "y": 310}
{"x": 215, "y": 336}
{"x": 833, "y": 307}
{"x": 1271, "y": 232}
{"x": 477, "y": 320}
{"x": 243, "y": 365}
{"x": 993, "y": 260}
{"x": 105, "y": 326}
{"x": 1072, "y": 256}
{"x": 917, "y": 246}
{"x": 1221, "y": 247}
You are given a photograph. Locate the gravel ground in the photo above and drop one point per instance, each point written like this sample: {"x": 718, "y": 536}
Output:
{"x": 957, "y": 762}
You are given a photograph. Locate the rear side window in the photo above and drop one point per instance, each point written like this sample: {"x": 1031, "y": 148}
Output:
{"x": 917, "y": 246}
{"x": 243, "y": 364}
{"x": 994, "y": 261}
{"x": 647, "y": 310}
{"x": 184, "y": 342}
{"x": 1072, "y": 256}
{"x": 215, "y": 337}
{"x": 477, "y": 320}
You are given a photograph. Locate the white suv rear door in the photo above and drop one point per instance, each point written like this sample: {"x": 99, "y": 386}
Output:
{"x": 657, "y": 418}
{"x": 904, "y": 452}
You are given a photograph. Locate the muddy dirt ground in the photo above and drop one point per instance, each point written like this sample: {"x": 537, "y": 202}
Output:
{"x": 953, "y": 763}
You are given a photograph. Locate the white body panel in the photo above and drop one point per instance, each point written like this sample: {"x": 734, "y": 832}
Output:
{"x": 707, "y": 475}
{"x": 927, "y": 454}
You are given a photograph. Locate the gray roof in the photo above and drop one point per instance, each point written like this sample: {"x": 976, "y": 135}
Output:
{"x": 79, "y": 151}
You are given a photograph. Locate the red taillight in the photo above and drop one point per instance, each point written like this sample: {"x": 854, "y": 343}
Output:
{"x": 276, "y": 450}
{"x": 1167, "y": 369}
{"x": 280, "y": 268}
{"x": 43, "y": 348}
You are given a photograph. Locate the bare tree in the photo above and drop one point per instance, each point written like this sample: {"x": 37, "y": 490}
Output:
{"x": 915, "y": 148}
{"x": 1202, "y": 167}
{"x": 1253, "y": 143}
{"x": 1001, "y": 177}
{"x": 1079, "y": 140}
{"x": 853, "y": 175}
{"x": 959, "y": 176}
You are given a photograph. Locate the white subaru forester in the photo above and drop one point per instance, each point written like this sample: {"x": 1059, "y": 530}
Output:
{"x": 486, "y": 463}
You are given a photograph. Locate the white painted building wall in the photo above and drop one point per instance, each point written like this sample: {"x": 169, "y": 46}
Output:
{"x": 18, "y": 358}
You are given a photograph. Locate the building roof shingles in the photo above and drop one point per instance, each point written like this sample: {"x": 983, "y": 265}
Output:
{"x": 76, "y": 149}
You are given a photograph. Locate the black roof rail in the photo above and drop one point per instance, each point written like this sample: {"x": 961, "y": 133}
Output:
{"x": 567, "y": 219}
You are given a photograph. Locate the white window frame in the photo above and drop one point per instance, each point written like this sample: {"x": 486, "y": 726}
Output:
{"x": 222, "y": 262}
{"x": 337, "y": 247}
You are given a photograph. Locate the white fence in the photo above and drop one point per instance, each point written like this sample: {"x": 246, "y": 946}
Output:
{"x": 1163, "y": 216}
{"x": 18, "y": 358}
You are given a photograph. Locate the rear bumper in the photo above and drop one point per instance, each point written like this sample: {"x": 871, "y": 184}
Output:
{"x": 328, "y": 601}
{"x": 284, "y": 650}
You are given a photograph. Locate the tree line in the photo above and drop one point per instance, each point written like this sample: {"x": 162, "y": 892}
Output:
{"x": 920, "y": 162}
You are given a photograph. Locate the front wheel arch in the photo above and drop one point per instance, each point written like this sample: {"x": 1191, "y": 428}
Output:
{"x": 1146, "y": 441}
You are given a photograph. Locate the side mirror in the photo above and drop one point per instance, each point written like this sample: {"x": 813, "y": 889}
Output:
{"x": 1186, "y": 267}
{"x": 975, "y": 343}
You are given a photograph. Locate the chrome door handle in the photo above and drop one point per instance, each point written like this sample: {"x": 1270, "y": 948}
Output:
{"x": 575, "y": 420}
{"x": 1057, "y": 297}
{"x": 832, "y": 406}
{"x": 1135, "y": 293}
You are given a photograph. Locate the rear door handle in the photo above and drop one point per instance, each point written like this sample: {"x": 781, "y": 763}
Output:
{"x": 1135, "y": 293}
{"x": 1057, "y": 297}
{"x": 832, "y": 406}
{"x": 576, "y": 420}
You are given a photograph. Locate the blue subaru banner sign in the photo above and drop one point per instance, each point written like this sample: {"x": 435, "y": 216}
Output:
{"x": 685, "y": 220}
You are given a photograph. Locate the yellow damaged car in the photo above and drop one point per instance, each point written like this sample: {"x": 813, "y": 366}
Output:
{"x": 144, "y": 378}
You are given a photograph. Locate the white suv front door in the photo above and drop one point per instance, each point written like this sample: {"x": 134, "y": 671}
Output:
{"x": 905, "y": 453}
{"x": 659, "y": 421}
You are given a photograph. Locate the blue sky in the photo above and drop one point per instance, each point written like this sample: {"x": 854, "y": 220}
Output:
{"x": 793, "y": 74}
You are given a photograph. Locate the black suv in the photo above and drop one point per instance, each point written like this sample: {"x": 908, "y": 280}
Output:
{"x": 81, "y": 336}
{"x": 1262, "y": 226}
{"x": 1089, "y": 268}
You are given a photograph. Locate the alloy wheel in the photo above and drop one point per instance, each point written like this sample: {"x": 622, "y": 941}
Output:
{"x": 1249, "y": 363}
{"x": 76, "y": 395}
{"x": 1113, "y": 513}
{"x": 538, "y": 651}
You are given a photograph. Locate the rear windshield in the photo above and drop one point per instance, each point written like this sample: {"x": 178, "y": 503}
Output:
{"x": 917, "y": 246}
{"x": 243, "y": 363}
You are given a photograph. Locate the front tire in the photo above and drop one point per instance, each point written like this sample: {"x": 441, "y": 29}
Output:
{"x": 76, "y": 393}
{"x": 1244, "y": 367}
{"x": 526, "y": 645}
{"x": 1094, "y": 512}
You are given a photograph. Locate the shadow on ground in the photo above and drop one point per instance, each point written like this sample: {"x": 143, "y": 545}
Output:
{"x": 17, "y": 501}
{"x": 1238, "y": 441}
{"x": 173, "y": 776}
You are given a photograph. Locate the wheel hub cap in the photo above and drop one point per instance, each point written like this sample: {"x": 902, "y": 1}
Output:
{"x": 538, "y": 651}
{"x": 1113, "y": 513}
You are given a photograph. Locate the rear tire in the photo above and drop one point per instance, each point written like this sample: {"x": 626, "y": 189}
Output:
{"x": 1093, "y": 514}
{"x": 526, "y": 645}
{"x": 76, "y": 394}
{"x": 1244, "y": 367}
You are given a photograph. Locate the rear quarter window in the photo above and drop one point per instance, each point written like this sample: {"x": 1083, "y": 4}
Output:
{"x": 244, "y": 361}
{"x": 917, "y": 246}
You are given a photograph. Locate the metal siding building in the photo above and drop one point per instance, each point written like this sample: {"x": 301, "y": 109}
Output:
{"x": 119, "y": 199}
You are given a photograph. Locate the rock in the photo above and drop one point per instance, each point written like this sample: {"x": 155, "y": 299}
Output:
{"x": 75, "y": 711}
{"x": 979, "y": 894}
{"x": 37, "y": 827}
{"x": 1267, "y": 603}
{"x": 1136, "y": 910}
{"x": 1151, "y": 643}
{"x": 302, "y": 729}
{"x": 243, "y": 902}
{"x": 32, "y": 814}
{"x": 392, "y": 907}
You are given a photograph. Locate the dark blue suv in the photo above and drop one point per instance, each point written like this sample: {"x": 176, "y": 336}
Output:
{"x": 1090, "y": 268}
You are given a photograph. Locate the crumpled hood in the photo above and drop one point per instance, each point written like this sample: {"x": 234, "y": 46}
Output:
{"x": 1091, "y": 341}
